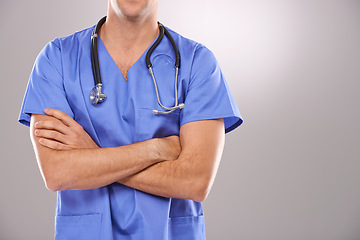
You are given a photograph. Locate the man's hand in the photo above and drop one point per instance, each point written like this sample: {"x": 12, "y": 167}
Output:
{"x": 64, "y": 133}
{"x": 168, "y": 148}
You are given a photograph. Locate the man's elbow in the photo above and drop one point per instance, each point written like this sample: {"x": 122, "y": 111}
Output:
{"x": 53, "y": 176}
{"x": 200, "y": 190}
{"x": 52, "y": 185}
{"x": 199, "y": 196}
{"x": 52, "y": 181}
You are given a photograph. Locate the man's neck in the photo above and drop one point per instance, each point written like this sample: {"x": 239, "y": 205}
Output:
{"x": 123, "y": 34}
{"x": 127, "y": 39}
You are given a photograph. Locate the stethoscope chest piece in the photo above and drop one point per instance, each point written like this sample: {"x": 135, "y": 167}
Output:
{"x": 96, "y": 96}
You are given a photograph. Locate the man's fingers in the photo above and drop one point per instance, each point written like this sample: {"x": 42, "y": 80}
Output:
{"x": 50, "y": 134}
{"x": 66, "y": 119}
{"x": 53, "y": 144}
{"x": 52, "y": 125}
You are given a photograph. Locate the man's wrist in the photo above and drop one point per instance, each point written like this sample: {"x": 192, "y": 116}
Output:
{"x": 155, "y": 150}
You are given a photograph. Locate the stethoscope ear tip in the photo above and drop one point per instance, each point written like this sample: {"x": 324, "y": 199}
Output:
{"x": 155, "y": 111}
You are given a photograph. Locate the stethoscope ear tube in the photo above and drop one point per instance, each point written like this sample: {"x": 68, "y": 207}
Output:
{"x": 176, "y": 49}
{"x": 156, "y": 43}
{"x": 94, "y": 50}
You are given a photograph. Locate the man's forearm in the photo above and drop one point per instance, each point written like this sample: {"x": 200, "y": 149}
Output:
{"x": 93, "y": 168}
{"x": 192, "y": 174}
{"x": 181, "y": 178}
{"x": 186, "y": 177}
{"x": 69, "y": 159}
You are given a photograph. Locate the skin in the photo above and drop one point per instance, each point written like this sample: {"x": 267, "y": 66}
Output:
{"x": 179, "y": 167}
{"x": 131, "y": 26}
{"x": 190, "y": 176}
{"x": 69, "y": 159}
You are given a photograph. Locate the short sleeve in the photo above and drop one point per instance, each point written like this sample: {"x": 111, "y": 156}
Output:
{"x": 45, "y": 87}
{"x": 208, "y": 95}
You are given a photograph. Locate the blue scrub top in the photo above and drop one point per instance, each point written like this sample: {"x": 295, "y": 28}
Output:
{"x": 62, "y": 78}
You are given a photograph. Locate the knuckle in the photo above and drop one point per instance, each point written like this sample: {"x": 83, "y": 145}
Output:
{"x": 49, "y": 143}
{"x": 48, "y": 124}
{"x": 61, "y": 114}
{"x": 78, "y": 127}
{"x": 53, "y": 134}
{"x": 44, "y": 142}
{"x": 57, "y": 146}
{"x": 53, "y": 124}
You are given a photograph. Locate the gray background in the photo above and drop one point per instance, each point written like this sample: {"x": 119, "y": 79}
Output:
{"x": 290, "y": 172}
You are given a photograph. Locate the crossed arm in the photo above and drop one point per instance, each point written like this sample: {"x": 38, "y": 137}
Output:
{"x": 183, "y": 167}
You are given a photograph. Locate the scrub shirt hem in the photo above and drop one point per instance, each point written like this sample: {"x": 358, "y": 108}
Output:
{"x": 228, "y": 129}
{"x": 25, "y": 116}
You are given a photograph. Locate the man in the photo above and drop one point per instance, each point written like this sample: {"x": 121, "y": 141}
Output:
{"x": 121, "y": 171}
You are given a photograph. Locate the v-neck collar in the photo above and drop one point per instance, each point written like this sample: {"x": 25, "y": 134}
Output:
{"x": 140, "y": 59}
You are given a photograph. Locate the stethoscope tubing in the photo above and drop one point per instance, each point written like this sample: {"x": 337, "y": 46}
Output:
{"x": 97, "y": 96}
{"x": 94, "y": 50}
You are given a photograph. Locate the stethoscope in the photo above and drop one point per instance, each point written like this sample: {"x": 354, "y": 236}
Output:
{"x": 97, "y": 96}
